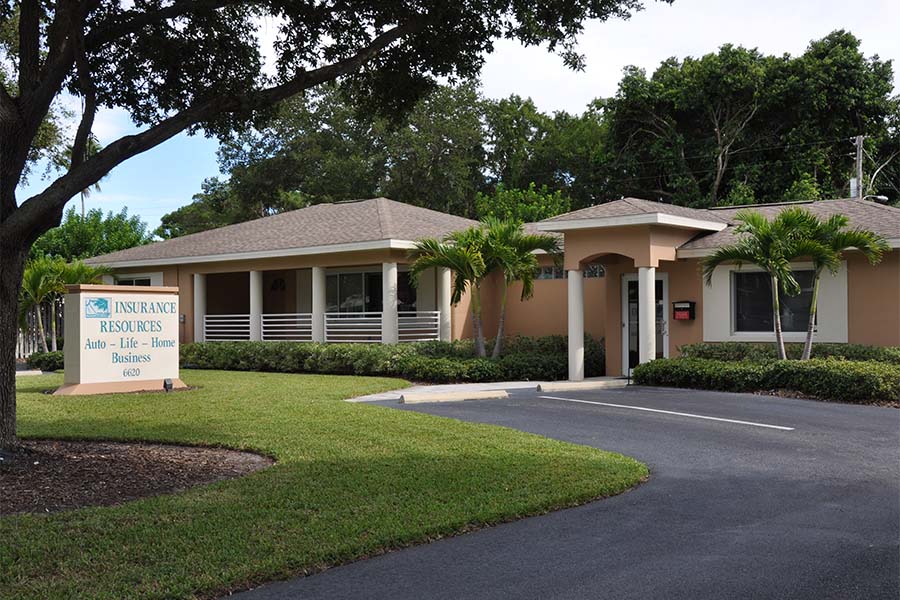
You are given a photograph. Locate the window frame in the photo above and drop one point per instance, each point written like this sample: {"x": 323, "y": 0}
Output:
{"x": 717, "y": 308}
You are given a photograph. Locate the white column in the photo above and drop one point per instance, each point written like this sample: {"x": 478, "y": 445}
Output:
{"x": 389, "y": 322}
{"x": 443, "y": 302}
{"x": 576, "y": 326}
{"x": 199, "y": 306}
{"x": 256, "y": 305}
{"x": 646, "y": 314}
{"x": 318, "y": 304}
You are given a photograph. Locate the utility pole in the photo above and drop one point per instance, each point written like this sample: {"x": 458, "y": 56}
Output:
{"x": 858, "y": 140}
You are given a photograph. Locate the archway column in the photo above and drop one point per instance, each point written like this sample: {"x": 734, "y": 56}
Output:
{"x": 646, "y": 314}
{"x": 576, "y": 324}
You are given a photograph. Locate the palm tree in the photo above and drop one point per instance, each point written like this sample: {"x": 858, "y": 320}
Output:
{"x": 511, "y": 250}
{"x": 40, "y": 283}
{"x": 462, "y": 253}
{"x": 44, "y": 281}
{"x": 770, "y": 245}
{"x": 832, "y": 236}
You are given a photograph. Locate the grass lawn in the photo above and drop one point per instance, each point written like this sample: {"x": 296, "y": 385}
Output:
{"x": 351, "y": 480}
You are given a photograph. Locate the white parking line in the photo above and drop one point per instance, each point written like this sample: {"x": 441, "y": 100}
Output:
{"x": 671, "y": 412}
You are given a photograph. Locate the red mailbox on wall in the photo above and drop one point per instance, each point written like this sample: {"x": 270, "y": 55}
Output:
{"x": 684, "y": 310}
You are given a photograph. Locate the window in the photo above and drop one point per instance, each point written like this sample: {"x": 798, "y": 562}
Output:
{"x": 139, "y": 281}
{"x": 594, "y": 270}
{"x": 362, "y": 292}
{"x": 551, "y": 272}
{"x": 752, "y": 293}
{"x": 591, "y": 271}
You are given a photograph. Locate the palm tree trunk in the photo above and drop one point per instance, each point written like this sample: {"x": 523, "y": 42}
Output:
{"x": 813, "y": 307}
{"x": 477, "y": 327}
{"x": 501, "y": 323}
{"x": 776, "y": 305}
{"x": 40, "y": 324}
{"x": 53, "y": 324}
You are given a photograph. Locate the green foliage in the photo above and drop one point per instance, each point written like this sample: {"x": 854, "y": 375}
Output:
{"x": 860, "y": 382}
{"x": 96, "y": 234}
{"x": 521, "y": 205}
{"x": 694, "y": 128}
{"x": 746, "y": 351}
{"x": 351, "y": 481}
{"x": 740, "y": 194}
{"x": 46, "y": 361}
{"x": 209, "y": 209}
{"x": 433, "y": 362}
{"x": 804, "y": 188}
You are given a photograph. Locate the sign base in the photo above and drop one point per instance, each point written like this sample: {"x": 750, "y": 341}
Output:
{"x": 116, "y": 387}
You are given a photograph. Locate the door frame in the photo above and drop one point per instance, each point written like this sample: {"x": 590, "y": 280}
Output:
{"x": 626, "y": 277}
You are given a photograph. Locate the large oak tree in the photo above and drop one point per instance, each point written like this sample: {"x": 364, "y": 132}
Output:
{"x": 179, "y": 65}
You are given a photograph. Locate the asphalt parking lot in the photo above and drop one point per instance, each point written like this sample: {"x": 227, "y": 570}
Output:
{"x": 749, "y": 497}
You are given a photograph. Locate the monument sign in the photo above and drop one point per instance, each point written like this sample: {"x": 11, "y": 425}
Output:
{"x": 120, "y": 339}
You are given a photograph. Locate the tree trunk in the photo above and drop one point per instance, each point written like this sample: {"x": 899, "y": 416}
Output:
{"x": 776, "y": 306}
{"x": 53, "y": 324}
{"x": 501, "y": 324}
{"x": 12, "y": 264}
{"x": 477, "y": 328}
{"x": 813, "y": 308}
{"x": 40, "y": 323}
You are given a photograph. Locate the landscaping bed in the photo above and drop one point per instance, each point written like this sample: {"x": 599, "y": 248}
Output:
{"x": 46, "y": 476}
{"x": 858, "y": 382}
{"x": 351, "y": 481}
{"x": 523, "y": 359}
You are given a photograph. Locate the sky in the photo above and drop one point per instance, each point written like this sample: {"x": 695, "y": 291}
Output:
{"x": 165, "y": 178}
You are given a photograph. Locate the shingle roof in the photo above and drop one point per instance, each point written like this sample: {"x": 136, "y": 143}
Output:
{"x": 633, "y": 206}
{"x": 319, "y": 225}
{"x": 880, "y": 219}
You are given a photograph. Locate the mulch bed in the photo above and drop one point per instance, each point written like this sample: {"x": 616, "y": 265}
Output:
{"x": 45, "y": 476}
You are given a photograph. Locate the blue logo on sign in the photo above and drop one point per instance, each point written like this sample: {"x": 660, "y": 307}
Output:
{"x": 96, "y": 308}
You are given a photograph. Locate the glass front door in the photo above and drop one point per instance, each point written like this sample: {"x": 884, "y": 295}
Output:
{"x": 631, "y": 322}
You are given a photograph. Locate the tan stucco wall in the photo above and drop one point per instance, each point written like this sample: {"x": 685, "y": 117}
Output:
{"x": 646, "y": 245}
{"x": 874, "y": 300}
{"x": 546, "y": 313}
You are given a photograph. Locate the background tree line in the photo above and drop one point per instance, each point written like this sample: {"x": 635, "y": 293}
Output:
{"x": 731, "y": 127}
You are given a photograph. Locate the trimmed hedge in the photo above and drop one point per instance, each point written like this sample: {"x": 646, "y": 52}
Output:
{"x": 735, "y": 351}
{"x": 524, "y": 358}
{"x": 860, "y": 382}
{"x": 46, "y": 361}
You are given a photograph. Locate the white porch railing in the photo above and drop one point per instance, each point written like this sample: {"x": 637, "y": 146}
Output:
{"x": 349, "y": 327}
{"x": 287, "y": 327}
{"x": 419, "y": 326}
{"x": 226, "y": 328}
{"x": 353, "y": 327}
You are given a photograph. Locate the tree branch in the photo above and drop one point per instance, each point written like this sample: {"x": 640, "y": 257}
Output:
{"x": 8, "y": 107}
{"x": 133, "y": 21}
{"x": 89, "y": 93}
{"x": 29, "y": 46}
{"x": 35, "y": 210}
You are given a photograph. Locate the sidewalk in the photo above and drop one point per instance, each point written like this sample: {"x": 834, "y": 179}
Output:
{"x": 456, "y": 388}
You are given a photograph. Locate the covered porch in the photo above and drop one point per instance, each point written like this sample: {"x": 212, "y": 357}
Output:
{"x": 376, "y": 303}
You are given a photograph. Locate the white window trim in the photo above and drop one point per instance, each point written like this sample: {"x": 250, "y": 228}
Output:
{"x": 156, "y": 277}
{"x": 718, "y": 308}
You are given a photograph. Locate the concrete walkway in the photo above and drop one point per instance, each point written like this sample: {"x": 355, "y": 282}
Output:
{"x": 454, "y": 388}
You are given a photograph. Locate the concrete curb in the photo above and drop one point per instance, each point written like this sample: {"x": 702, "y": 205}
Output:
{"x": 418, "y": 398}
{"x": 564, "y": 386}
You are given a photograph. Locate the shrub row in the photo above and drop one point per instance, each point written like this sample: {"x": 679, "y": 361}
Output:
{"x": 46, "y": 361}
{"x": 532, "y": 359}
{"x": 732, "y": 351}
{"x": 860, "y": 382}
